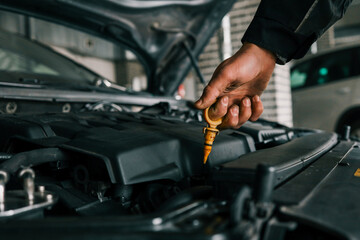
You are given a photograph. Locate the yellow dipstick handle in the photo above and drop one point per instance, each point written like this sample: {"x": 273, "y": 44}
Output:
{"x": 210, "y": 133}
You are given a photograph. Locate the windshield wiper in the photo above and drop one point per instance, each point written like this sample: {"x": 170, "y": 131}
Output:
{"x": 99, "y": 85}
{"x": 84, "y": 87}
{"x": 47, "y": 85}
{"x": 21, "y": 85}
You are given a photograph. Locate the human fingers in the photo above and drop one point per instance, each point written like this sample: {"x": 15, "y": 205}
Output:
{"x": 257, "y": 108}
{"x": 219, "y": 109}
{"x": 231, "y": 119}
{"x": 245, "y": 112}
{"x": 237, "y": 116}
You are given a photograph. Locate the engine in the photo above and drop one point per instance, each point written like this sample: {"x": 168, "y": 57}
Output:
{"x": 116, "y": 163}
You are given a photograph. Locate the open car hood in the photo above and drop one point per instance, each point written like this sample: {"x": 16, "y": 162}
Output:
{"x": 156, "y": 31}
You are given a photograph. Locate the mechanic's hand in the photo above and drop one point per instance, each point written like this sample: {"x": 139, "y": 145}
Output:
{"x": 236, "y": 85}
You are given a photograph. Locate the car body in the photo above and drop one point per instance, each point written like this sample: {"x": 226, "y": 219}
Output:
{"x": 77, "y": 162}
{"x": 325, "y": 90}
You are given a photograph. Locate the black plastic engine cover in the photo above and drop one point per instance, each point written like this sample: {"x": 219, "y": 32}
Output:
{"x": 282, "y": 162}
{"x": 134, "y": 147}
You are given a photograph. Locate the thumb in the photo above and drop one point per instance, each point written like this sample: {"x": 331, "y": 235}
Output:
{"x": 207, "y": 98}
{"x": 211, "y": 92}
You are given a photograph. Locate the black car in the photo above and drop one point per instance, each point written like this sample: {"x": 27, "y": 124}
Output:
{"x": 77, "y": 162}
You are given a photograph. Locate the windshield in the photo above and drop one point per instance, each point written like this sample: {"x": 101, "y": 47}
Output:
{"x": 21, "y": 59}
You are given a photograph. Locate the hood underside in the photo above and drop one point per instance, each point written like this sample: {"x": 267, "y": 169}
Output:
{"x": 156, "y": 31}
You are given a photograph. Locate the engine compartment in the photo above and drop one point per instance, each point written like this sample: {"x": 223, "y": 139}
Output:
{"x": 142, "y": 172}
{"x": 137, "y": 160}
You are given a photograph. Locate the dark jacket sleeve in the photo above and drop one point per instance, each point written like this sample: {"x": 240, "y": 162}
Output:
{"x": 289, "y": 27}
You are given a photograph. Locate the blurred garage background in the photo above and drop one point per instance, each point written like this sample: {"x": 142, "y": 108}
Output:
{"x": 121, "y": 66}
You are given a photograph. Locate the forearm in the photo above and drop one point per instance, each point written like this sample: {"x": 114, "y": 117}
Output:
{"x": 288, "y": 28}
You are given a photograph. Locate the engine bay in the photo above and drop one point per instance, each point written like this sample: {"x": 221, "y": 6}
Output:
{"x": 145, "y": 170}
{"x": 136, "y": 160}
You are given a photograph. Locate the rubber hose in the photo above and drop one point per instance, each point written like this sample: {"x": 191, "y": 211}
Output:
{"x": 32, "y": 158}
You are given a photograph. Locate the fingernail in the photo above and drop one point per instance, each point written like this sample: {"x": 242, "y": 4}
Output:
{"x": 246, "y": 102}
{"x": 256, "y": 98}
{"x": 235, "y": 111}
{"x": 225, "y": 100}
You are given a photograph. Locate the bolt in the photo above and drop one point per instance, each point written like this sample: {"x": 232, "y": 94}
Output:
{"x": 157, "y": 221}
{"x": 41, "y": 190}
{"x": 49, "y": 197}
{"x": 195, "y": 222}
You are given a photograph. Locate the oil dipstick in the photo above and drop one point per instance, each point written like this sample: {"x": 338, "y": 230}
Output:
{"x": 210, "y": 133}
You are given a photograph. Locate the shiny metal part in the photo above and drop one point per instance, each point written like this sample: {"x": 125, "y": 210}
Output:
{"x": 157, "y": 221}
{"x": 106, "y": 83}
{"x": 49, "y": 197}
{"x": 41, "y": 190}
{"x": 11, "y": 107}
{"x": 66, "y": 108}
{"x": 22, "y": 202}
{"x": 28, "y": 176}
{"x": 17, "y": 203}
{"x": 4, "y": 178}
{"x": 178, "y": 213}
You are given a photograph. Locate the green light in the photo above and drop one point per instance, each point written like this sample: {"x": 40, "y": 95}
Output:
{"x": 323, "y": 71}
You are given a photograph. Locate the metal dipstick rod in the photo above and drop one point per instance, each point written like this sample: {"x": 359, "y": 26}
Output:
{"x": 28, "y": 176}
